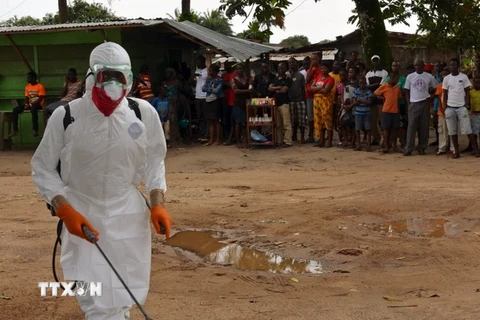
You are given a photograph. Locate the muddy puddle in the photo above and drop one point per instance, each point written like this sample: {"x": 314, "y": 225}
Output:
{"x": 211, "y": 247}
{"x": 419, "y": 227}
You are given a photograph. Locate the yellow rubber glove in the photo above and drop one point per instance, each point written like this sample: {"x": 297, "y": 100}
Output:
{"x": 74, "y": 221}
{"x": 159, "y": 217}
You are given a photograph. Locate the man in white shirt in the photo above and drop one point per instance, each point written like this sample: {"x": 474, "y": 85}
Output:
{"x": 456, "y": 93}
{"x": 374, "y": 78}
{"x": 201, "y": 75}
{"x": 419, "y": 87}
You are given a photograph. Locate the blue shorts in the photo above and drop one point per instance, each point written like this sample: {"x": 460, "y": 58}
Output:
{"x": 475, "y": 122}
{"x": 363, "y": 122}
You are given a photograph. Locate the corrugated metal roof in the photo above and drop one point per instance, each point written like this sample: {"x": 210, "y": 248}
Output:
{"x": 235, "y": 47}
{"x": 79, "y": 26}
{"x": 239, "y": 48}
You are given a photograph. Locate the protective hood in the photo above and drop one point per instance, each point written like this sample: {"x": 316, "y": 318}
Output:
{"x": 89, "y": 81}
{"x": 112, "y": 76}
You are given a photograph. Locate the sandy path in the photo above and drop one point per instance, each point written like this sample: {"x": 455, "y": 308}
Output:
{"x": 332, "y": 199}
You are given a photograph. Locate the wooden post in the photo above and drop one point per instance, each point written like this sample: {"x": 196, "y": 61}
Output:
{"x": 20, "y": 54}
{"x": 209, "y": 57}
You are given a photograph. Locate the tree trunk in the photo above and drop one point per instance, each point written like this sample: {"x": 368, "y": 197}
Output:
{"x": 62, "y": 11}
{"x": 374, "y": 34}
{"x": 185, "y": 8}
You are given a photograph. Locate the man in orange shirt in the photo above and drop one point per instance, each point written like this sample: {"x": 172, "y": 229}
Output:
{"x": 391, "y": 93}
{"x": 34, "y": 101}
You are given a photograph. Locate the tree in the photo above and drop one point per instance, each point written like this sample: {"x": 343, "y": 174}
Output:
{"x": 266, "y": 13}
{"x": 295, "y": 41}
{"x": 81, "y": 11}
{"x": 216, "y": 20}
{"x": 186, "y": 8}
{"x": 62, "y": 11}
{"x": 271, "y": 13}
{"x": 23, "y": 21}
{"x": 213, "y": 20}
{"x": 192, "y": 16}
{"x": 374, "y": 33}
{"x": 254, "y": 32}
{"x": 449, "y": 24}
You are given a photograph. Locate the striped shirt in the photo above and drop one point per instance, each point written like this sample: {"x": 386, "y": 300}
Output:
{"x": 362, "y": 94}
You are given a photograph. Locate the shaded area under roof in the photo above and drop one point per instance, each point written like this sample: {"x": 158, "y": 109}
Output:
{"x": 239, "y": 48}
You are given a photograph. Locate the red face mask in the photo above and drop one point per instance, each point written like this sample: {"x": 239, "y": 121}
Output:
{"x": 104, "y": 102}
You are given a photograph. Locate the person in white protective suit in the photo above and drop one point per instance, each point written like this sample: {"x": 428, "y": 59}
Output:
{"x": 103, "y": 153}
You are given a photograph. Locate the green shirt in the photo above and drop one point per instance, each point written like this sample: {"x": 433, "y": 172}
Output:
{"x": 401, "y": 84}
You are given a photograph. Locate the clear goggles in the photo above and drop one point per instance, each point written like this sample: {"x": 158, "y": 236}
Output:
{"x": 104, "y": 75}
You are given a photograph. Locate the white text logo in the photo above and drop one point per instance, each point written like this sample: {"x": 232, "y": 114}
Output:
{"x": 71, "y": 289}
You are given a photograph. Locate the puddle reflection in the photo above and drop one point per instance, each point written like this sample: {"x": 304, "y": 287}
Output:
{"x": 212, "y": 250}
{"x": 419, "y": 227}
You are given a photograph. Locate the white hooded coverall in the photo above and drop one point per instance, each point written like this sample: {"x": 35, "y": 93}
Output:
{"x": 101, "y": 160}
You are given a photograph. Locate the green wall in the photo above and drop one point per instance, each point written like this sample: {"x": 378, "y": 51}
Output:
{"x": 52, "y": 54}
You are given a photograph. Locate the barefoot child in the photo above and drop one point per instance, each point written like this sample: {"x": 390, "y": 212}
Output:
{"x": 390, "y": 92}
{"x": 362, "y": 99}
{"x": 475, "y": 112}
{"x": 162, "y": 105}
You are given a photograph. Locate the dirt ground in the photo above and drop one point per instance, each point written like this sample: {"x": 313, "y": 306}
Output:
{"x": 330, "y": 199}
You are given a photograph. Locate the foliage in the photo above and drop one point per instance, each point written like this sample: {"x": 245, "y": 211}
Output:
{"x": 80, "y": 11}
{"x": 192, "y": 16}
{"x": 445, "y": 24}
{"x": 213, "y": 20}
{"x": 296, "y": 41}
{"x": 254, "y": 32}
{"x": 21, "y": 22}
{"x": 216, "y": 20}
{"x": 266, "y": 13}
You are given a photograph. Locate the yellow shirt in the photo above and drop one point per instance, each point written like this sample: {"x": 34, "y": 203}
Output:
{"x": 475, "y": 100}
{"x": 335, "y": 77}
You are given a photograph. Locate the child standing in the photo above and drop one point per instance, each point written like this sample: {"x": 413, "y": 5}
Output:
{"x": 340, "y": 115}
{"x": 162, "y": 105}
{"x": 442, "y": 123}
{"x": 362, "y": 99}
{"x": 475, "y": 112}
{"x": 213, "y": 109}
{"x": 390, "y": 92}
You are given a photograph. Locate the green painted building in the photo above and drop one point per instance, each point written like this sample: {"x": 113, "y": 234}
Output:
{"x": 51, "y": 50}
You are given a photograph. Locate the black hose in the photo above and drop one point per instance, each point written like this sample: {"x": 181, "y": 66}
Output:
{"x": 57, "y": 242}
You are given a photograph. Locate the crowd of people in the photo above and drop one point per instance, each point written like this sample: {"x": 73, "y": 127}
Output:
{"x": 314, "y": 99}
{"x": 365, "y": 107}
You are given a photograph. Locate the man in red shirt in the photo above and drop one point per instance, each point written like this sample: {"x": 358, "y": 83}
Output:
{"x": 312, "y": 74}
{"x": 229, "y": 101}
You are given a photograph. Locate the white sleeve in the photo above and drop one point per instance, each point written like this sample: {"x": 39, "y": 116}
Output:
{"x": 407, "y": 83}
{"x": 45, "y": 160}
{"x": 466, "y": 82}
{"x": 445, "y": 83}
{"x": 156, "y": 148}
